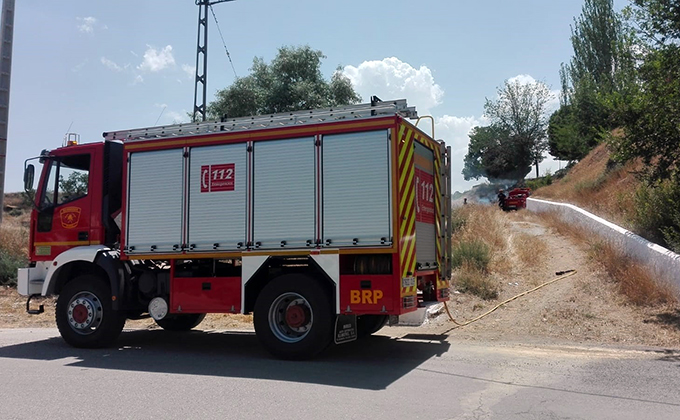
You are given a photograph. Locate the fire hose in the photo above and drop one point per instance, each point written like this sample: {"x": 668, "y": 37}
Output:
{"x": 561, "y": 274}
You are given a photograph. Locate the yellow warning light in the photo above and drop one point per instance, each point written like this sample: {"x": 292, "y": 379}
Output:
{"x": 71, "y": 139}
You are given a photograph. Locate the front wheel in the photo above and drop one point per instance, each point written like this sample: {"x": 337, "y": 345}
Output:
{"x": 293, "y": 317}
{"x": 85, "y": 315}
{"x": 180, "y": 322}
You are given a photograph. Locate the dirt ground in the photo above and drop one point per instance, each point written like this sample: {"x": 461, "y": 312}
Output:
{"x": 584, "y": 308}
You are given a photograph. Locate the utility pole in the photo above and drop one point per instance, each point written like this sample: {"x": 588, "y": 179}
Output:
{"x": 202, "y": 59}
{"x": 7, "y": 28}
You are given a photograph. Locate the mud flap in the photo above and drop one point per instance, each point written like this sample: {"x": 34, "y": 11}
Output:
{"x": 345, "y": 329}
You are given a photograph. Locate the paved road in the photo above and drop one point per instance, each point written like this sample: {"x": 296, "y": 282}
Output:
{"x": 155, "y": 374}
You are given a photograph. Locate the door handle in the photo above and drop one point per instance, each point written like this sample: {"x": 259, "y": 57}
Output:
{"x": 83, "y": 236}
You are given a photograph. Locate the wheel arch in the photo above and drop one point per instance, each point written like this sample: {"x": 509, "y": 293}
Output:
{"x": 261, "y": 275}
{"x": 96, "y": 260}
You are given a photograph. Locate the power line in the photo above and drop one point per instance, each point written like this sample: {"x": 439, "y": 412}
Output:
{"x": 223, "y": 43}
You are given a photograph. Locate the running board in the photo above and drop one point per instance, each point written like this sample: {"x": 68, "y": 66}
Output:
{"x": 30, "y": 311}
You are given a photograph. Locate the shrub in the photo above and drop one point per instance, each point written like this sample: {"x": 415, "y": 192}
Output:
{"x": 537, "y": 183}
{"x": 458, "y": 220}
{"x": 8, "y": 267}
{"x": 469, "y": 279}
{"x": 474, "y": 253}
{"x": 656, "y": 214}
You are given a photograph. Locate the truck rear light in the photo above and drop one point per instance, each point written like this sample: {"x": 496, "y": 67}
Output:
{"x": 408, "y": 302}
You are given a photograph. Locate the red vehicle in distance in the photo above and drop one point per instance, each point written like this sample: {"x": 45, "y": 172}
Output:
{"x": 516, "y": 199}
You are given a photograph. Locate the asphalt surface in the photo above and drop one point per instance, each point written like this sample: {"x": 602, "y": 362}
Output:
{"x": 401, "y": 375}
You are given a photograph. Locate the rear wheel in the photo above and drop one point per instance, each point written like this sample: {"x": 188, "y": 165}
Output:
{"x": 370, "y": 324}
{"x": 85, "y": 315}
{"x": 180, "y": 322}
{"x": 293, "y": 317}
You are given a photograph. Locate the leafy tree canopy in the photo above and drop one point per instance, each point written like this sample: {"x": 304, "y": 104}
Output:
{"x": 494, "y": 154}
{"x": 291, "y": 82}
{"x": 651, "y": 116}
{"x": 564, "y": 139}
{"x": 657, "y": 21}
{"x": 519, "y": 111}
{"x": 595, "y": 82}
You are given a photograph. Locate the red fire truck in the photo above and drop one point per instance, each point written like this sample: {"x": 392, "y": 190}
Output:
{"x": 324, "y": 224}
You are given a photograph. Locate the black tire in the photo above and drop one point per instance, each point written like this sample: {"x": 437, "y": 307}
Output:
{"x": 84, "y": 313}
{"x": 180, "y": 322}
{"x": 370, "y": 324}
{"x": 294, "y": 318}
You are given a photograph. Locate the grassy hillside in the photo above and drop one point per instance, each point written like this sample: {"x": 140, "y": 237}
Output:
{"x": 599, "y": 185}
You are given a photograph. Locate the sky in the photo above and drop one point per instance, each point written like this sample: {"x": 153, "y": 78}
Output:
{"x": 91, "y": 66}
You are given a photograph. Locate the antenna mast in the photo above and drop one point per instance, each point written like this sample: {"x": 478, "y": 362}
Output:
{"x": 202, "y": 59}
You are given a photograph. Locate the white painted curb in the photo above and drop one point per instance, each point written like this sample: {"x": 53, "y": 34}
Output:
{"x": 665, "y": 264}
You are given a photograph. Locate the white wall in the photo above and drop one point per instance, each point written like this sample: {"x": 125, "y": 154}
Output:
{"x": 664, "y": 263}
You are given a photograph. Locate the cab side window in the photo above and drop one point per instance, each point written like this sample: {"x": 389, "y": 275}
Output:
{"x": 67, "y": 180}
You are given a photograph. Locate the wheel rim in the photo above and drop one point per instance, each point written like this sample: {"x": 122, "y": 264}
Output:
{"x": 290, "y": 317}
{"x": 85, "y": 313}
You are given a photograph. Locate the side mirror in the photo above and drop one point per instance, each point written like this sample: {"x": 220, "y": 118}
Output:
{"x": 29, "y": 175}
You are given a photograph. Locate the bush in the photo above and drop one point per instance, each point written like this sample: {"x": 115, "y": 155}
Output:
{"x": 656, "y": 215}
{"x": 8, "y": 267}
{"x": 472, "y": 280}
{"x": 537, "y": 183}
{"x": 458, "y": 220}
{"x": 474, "y": 253}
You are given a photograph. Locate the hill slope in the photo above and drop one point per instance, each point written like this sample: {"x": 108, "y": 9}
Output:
{"x": 598, "y": 185}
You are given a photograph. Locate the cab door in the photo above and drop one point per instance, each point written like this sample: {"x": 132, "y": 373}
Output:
{"x": 64, "y": 204}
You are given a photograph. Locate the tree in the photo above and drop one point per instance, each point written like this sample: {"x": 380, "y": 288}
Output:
{"x": 564, "y": 139}
{"x": 73, "y": 186}
{"x": 520, "y": 111}
{"x": 493, "y": 153}
{"x": 291, "y": 82}
{"x": 596, "y": 81}
{"x": 651, "y": 119}
{"x": 658, "y": 21}
{"x": 595, "y": 37}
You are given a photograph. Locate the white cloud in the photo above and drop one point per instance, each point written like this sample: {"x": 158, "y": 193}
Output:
{"x": 157, "y": 60}
{"x": 392, "y": 78}
{"x": 189, "y": 70}
{"x": 454, "y": 131}
{"x": 110, "y": 64}
{"x": 553, "y": 103}
{"x": 86, "y": 24}
{"x": 523, "y": 79}
{"x": 138, "y": 79}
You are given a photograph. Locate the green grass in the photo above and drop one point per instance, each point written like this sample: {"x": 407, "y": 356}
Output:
{"x": 8, "y": 267}
{"x": 471, "y": 280}
{"x": 475, "y": 253}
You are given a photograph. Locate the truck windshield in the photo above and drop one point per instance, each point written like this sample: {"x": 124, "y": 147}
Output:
{"x": 67, "y": 180}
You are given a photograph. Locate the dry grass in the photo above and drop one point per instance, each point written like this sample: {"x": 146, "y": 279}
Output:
{"x": 529, "y": 248}
{"x": 633, "y": 280}
{"x": 485, "y": 223}
{"x": 470, "y": 279}
{"x": 14, "y": 234}
{"x": 13, "y": 245}
{"x": 480, "y": 246}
